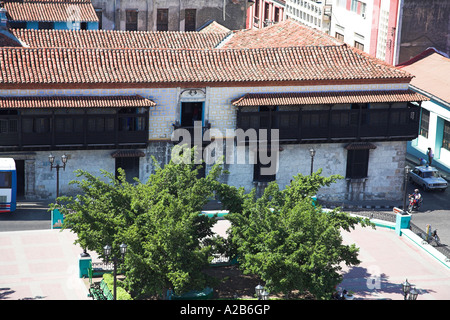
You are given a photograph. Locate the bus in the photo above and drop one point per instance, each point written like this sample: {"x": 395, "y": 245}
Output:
{"x": 8, "y": 185}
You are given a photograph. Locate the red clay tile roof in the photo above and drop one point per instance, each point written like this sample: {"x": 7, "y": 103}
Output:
{"x": 431, "y": 71}
{"x": 51, "y": 11}
{"x": 214, "y": 27}
{"x": 75, "y": 102}
{"x": 287, "y": 33}
{"x": 117, "y": 39}
{"x": 309, "y": 98}
{"x": 166, "y": 66}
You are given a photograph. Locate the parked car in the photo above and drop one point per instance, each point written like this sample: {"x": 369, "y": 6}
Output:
{"x": 428, "y": 178}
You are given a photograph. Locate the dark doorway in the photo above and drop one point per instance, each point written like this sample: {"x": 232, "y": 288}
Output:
{"x": 131, "y": 167}
{"x": 20, "y": 172}
{"x": 190, "y": 112}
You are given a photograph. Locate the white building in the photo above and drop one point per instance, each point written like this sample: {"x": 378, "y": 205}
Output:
{"x": 313, "y": 13}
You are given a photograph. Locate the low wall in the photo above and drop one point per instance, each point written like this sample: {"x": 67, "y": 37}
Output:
{"x": 402, "y": 229}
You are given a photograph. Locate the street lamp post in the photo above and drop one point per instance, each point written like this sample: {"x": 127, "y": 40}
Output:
{"x": 107, "y": 252}
{"x": 407, "y": 168}
{"x": 409, "y": 293}
{"x": 51, "y": 159}
{"x": 261, "y": 293}
{"x": 312, "y": 152}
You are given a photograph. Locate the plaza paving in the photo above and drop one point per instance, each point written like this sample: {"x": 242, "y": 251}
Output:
{"x": 40, "y": 265}
{"x": 387, "y": 261}
{"x": 43, "y": 264}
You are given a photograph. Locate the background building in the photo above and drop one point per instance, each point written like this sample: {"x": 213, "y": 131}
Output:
{"x": 264, "y": 13}
{"x": 170, "y": 15}
{"x": 51, "y": 14}
{"x": 391, "y": 30}
{"x": 313, "y": 13}
{"x": 431, "y": 70}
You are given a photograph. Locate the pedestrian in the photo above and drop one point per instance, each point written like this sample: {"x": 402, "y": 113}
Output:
{"x": 430, "y": 156}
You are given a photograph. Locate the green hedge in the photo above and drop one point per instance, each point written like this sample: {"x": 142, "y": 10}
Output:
{"x": 122, "y": 294}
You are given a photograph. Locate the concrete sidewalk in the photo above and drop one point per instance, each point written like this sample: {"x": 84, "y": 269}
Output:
{"x": 40, "y": 264}
{"x": 387, "y": 261}
{"x": 43, "y": 264}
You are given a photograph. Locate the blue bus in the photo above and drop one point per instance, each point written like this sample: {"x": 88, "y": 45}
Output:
{"x": 8, "y": 185}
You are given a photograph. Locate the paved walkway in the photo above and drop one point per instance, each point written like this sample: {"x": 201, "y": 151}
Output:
{"x": 387, "y": 261}
{"x": 43, "y": 264}
{"x": 40, "y": 264}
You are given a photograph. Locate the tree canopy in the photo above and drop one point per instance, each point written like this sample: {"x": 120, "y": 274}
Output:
{"x": 281, "y": 237}
{"x": 169, "y": 242}
{"x": 287, "y": 241}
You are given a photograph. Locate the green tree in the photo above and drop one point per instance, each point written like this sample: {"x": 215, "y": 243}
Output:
{"x": 287, "y": 241}
{"x": 169, "y": 243}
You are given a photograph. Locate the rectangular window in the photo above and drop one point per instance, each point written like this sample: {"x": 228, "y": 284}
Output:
{"x": 190, "y": 20}
{"x": 446, "y": 137}
{"x": 8, "y": 126}
{"x": 17, "y": 24}
{"x": 5, "y": 180}
{"x": 424, "y": 123}
{"x": 131, "y": 20}
{"x": 261, "y": 175}
{"x": 359, "y": 45}
{"x": 357, "y": 164}
{"x": 99, "y": 13}
{"x": 363, "y": 9}
{"x": 162, "y": 20}
{"x": 354, "y": 5}
{"x": 131, "y": 167}
{"x": 339, "y": 36}
{"x": 44, "y": 25}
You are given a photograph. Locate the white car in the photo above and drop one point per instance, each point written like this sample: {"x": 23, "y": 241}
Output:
{"x": 428, "y": 178}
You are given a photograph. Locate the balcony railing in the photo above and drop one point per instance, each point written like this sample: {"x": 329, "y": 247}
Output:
{"x": 332, "y": 125}
{"x": 53, "y": 131}
{"x": 196, "y": 133}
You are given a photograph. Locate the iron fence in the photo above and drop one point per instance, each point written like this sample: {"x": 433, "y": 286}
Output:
{"x": 442, "y": 248}
{"x": 391, "y": 217}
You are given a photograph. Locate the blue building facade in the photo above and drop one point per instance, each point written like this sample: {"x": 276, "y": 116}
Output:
{"x": 48, "y": 14}
{"x": 431, "y": 69}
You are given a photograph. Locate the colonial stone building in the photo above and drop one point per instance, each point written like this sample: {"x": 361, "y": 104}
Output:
{"x": 170, "y": 15}
{"x": 107, "y": 105}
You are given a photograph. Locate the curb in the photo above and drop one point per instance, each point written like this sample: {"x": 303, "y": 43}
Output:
{"x": 352, "y": 206}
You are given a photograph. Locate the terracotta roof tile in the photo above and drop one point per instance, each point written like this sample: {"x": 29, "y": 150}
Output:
{"x": 50, "y": 11}
{"x": 74, "y": 102}
{"x": 89, "y": 66}
{"x": 214, "y": 27}
{"x": 431, "y": 71}
{"x": 287, "y": 33}
{"x": 310, "y": 98}
{"x": 117, "y": 39}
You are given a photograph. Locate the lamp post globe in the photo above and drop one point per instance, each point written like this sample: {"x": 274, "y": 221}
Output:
{"x": 123, "y": 249}
{"x": 413, "y": 293}
{"x": 258, "y": 290}
{"x": 107, "y": 251}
